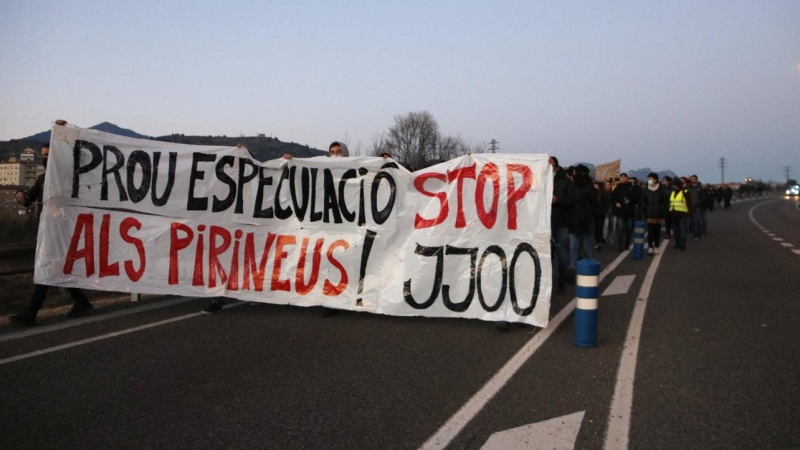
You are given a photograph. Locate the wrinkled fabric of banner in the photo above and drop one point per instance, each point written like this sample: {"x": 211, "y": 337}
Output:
{"x": 466, "y": 238}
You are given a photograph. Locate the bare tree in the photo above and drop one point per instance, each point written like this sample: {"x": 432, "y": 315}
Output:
{"x": 379, "y": 145}
{"x": 416, "y": 133}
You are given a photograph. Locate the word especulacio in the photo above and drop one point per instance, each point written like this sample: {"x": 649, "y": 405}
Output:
{"x": 360, "y": 233}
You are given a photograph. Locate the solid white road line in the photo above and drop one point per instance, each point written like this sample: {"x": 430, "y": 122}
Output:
{"x": 105, "y": 336}
{"x": 93, "y": 318}
{"x": 619, "y": 421}
{"x": 460, "y": 419}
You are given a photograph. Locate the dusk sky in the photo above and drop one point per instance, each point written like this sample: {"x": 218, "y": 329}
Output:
{"x": 660, "y": 84}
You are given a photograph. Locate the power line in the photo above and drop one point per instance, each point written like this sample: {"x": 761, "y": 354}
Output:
{"x": 493, "y": 146}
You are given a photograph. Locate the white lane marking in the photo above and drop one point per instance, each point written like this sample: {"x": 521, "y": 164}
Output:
{"x": 105, "y": 336}
{"x": 619, "y": 421}
{"x": 777, "y": 239}
{"x": 786, "y": 244}
{"x": 559, "y": 433}
{"x": 460, "y": 419}
{"x": 770, "y": 235}
{"x": 621, "y": 285}
{"x": 796, "y": 252}
{"x": 93, "y": 318}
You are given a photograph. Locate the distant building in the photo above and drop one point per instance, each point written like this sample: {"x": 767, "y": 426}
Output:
{"x": 262, "y": 135}
{"x": 19, "y": 173}
{"x": 29, "y": 155}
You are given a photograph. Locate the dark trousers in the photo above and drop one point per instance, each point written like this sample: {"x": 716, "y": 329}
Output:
{"x": 40, "y": 293}
{"x": 653, "y": 235}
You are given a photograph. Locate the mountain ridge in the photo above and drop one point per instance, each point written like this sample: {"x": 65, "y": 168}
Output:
{"x": 261, "y": 148}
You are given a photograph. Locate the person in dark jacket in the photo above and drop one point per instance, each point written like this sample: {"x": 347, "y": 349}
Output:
{"x": 600, "y": 213}
{"x": 581, "y": 220}
{"x": 82, "y": 304}
{"x": 655, "y": 205}
{"x": 562, "y": 203}
{"x": 698, "y": 220}
{"x": 727, "y": 195}
{"x": 623, "y": 203}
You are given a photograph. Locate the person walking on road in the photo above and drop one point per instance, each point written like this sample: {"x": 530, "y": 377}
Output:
{"x": 623, "y": 202}
{"x": 698, "y": 198}
{"x": 600, "y": 213}
{"x": 562, "y": 203}
{"x": 666, "y": 182}
{"x": 655, "y": 204}
{"x": 581, "y": 225}
{"x": 727, "y": 195}
{"x": 680, "y": 208}
{"x": 82, "y": 305}
{"x": 610, "y": 230}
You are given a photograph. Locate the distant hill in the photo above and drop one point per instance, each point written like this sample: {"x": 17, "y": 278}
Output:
{"x": 261, "y": 148}
{"x": 107, "y": 127}
{"x": 641, "y": 174}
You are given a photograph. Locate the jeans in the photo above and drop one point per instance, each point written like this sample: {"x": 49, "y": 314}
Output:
{"x": 561, "y": 239}
{"x": 610, "y": 231}
{"x": 624, "y": 231}
{"x": 700, "y": 222}
{"x": 586, "y": 243}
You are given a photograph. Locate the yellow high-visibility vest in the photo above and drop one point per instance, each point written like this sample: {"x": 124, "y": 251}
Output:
{"x": 677, "y": 202}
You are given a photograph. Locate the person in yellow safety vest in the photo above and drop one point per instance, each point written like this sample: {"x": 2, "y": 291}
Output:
{"x": 680, "y": 206}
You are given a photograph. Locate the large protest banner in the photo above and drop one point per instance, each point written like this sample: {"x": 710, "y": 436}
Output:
{"x": 466, "y": 238}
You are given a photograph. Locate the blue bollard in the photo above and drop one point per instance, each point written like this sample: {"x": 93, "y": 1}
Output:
{"x": 638, "y": 241}
{"x": 587, "y": 290}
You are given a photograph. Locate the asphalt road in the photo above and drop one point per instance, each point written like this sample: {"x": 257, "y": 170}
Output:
{"x": 718, "y": 364}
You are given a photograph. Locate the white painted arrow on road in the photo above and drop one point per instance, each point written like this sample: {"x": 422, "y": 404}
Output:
{"x": 559, "y": 433}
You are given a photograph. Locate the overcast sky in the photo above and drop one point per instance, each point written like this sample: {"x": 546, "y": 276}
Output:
{"x": 661, "y": 84}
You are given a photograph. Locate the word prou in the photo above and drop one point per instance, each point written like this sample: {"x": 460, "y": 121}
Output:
{"x": 506, "y": 280}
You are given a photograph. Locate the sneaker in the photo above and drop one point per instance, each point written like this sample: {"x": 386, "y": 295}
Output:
{"x": 650, "y": 251}
{"x": 79, "y": 309}
{"x": 655, "y": 251}
{"x": 213, "y": 307}
{"x": 23, "y": 319}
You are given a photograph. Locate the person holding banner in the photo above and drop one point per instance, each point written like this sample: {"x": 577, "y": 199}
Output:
{"x": 26, "y": 198}
{"x": 335, "y": 150}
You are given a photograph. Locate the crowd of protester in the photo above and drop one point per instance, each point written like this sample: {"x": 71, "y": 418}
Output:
{"x": 588, "y": 215}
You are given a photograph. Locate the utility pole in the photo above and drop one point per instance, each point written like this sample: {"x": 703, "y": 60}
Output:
{"x": 722, "y": 168}
{"x": 493, "y": 146}
{"x": 788, "y": 171}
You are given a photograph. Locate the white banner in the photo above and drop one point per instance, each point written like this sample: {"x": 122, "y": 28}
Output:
{"x": 466, "y": 238}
